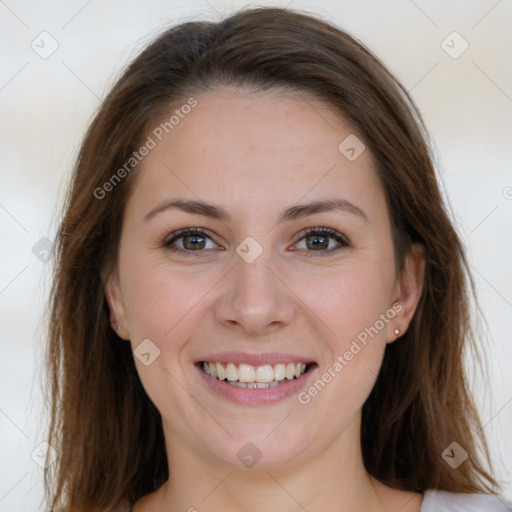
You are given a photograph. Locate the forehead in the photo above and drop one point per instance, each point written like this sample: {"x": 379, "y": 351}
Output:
{"x": 258, "y": 149}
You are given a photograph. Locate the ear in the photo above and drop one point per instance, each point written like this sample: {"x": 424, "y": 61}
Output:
{"x": 115, "y": 301}
{"x": 407, "y": 291}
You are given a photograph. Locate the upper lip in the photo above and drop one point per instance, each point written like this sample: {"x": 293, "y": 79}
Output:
{"x": 259, "y": 359}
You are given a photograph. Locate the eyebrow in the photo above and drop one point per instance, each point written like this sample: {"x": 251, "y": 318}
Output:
{"x": 198, "y": 207}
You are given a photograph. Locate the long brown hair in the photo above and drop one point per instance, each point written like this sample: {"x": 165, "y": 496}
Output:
{"x": 104, "y": 426}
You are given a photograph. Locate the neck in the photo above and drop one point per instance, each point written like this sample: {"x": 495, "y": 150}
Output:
{"x": 333, "y": 479}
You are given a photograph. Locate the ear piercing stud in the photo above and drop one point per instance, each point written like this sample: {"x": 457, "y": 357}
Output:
{"x": 397, "y": 332}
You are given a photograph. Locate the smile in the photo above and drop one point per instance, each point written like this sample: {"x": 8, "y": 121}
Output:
{"x": 254, "y": 377}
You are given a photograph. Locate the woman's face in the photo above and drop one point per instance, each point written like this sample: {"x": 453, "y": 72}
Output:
{"x": 263, "y": 292}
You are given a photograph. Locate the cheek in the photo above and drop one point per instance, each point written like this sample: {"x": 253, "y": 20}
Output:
{"x": 350, "y": 300}
{"x": 162, "y": 305}
{"x": 353, "y": 305}
{"x": 159, "y": 299}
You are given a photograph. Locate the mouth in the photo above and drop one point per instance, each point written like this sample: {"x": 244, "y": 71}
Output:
{"x": 254, "y": 377}
{"x": 255, "y": 384}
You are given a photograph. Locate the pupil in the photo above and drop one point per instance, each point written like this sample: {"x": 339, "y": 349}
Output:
{"x": 322, "y": 244}
{"x": 195, "y": 241}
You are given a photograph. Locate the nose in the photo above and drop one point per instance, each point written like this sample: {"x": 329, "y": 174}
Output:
{"x": 255, "y": 298}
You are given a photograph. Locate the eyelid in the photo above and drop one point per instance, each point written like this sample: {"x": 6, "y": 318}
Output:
{"x": 175, "y": 235}
{"x": 340, "y": 238}
{"x": 333, "y": 233}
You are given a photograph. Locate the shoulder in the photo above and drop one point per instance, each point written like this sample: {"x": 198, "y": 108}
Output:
{"x": 444, "y": 501}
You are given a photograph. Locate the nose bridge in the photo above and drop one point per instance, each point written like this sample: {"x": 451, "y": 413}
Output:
{"x": 254, "y": 281}
{"x": 255, "y": 298}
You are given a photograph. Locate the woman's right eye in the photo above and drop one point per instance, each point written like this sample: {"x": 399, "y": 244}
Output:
{"x": 189, "y": 240}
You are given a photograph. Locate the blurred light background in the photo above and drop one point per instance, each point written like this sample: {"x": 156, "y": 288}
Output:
{"x": 60, "y": 58}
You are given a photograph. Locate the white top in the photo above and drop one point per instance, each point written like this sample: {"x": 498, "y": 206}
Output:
{"x": 443, "y": 501}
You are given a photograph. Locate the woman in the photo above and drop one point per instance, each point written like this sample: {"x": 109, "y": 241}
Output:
{"x": 260, "y": 302}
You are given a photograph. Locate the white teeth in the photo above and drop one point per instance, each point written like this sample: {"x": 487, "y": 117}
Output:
{"x": 253, "y": 385}
{"x": 213, "y": 370}
{"x": 280, "y": 371}
{"x": 246, "y": 373}
{"x": 231, "y": 372}
{"x": 265, "y": 373}
{"x": 248, "y": 376}
{"x": 221, "y": 373}
{"x": 290, "y": 371}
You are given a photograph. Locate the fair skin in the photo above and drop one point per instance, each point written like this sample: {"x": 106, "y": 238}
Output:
{"x": 256, "y": 155}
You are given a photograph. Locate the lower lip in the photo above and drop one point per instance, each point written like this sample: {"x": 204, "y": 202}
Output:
{"x": 256, "y": 396}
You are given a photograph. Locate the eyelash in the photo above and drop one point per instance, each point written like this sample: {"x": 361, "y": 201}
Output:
{"x": 321, "y": 231}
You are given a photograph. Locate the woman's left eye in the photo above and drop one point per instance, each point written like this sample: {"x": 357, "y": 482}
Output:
{"x": 314, "y": 240}
{"x": 321, "y": 240}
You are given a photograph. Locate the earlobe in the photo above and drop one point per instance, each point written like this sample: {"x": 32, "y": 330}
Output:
{"x": 409, "y": 288}
{"x": 115, "y": 301}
